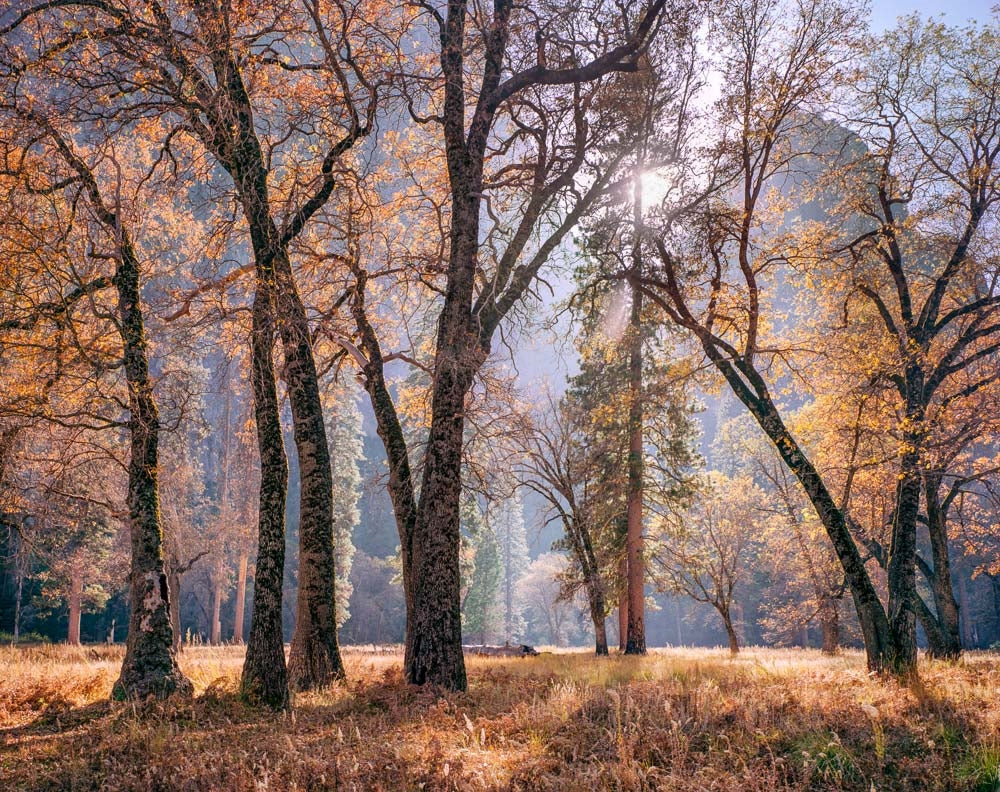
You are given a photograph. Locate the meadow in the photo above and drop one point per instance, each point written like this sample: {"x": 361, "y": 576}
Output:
{"x": 679, "y": 719}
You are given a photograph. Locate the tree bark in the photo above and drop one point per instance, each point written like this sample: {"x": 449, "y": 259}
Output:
{"x": 734, "y": 644}
{"x": 829, "y": 620}
{"x": 265, "y": 678}
{"x": 241, "y": 598}
{"x": 945, "y": 605}
{"x": 150, "y": 666}
{"x": 75, "y": 603}
{"x": 623, "y": 604}
{"x": 215, "y": 635}
{"x": 174, "y": 592}
{"x": 635, "y": 641}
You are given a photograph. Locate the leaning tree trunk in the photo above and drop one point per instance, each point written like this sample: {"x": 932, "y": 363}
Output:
{"x": 880, "y": 649}
{"x": 265, "y": 678}
{"x": 150, "y": 666}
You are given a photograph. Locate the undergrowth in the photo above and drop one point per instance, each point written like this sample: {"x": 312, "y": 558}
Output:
{"x": 675, "y": 720}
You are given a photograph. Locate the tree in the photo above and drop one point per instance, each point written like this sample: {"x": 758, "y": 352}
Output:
{"x": 553, "y": 464}
{"x": 544, "y": 109}
{"x": 717, "y": 249}
{"x": 508, "y": 526}
{"x": 707, "y": 555}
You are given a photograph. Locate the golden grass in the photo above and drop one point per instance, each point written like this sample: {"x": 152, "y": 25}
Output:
{"x": 677, "y": 720}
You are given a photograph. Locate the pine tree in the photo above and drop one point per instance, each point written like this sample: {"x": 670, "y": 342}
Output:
{"x": 513, "y": 542}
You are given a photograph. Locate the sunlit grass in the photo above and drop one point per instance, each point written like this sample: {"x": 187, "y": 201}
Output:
{"x": 679, "y": 719}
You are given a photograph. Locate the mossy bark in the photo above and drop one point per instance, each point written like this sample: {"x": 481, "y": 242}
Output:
{"x": 150, "y": 666}
{"x": 265, "y": 679}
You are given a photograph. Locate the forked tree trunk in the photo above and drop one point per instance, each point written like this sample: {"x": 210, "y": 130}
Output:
{"x": 241, "y": 598}
{"x": 265, "y": 678}
{"x": 150, "y": 666}
{"x": 75, "y": 603}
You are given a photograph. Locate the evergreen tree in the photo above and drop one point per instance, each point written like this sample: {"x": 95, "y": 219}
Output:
{"x": 513, "y": 543}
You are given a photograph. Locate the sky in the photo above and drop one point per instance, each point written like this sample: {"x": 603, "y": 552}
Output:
{"x": 956, "y": 12}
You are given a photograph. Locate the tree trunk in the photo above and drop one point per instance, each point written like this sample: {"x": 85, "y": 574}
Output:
{"x": 434, "y": 626}
{"x": 947, "y": 610}
{"x": 880, "y": 650}
{"x": 635, "y": 641}
{"x": 241, "y": 597}
{"x": 75, "y": 603}
{"x": 264, "y": 677}
{"x": 174, "y": 591}
{"x": 150, "y": 666}
{"x": 623, "y": 604}
{"x": 314, "y": 660}
{"x": 17, "y": 605}
{"x": 215, "y": 634}
{"x": 734, "y": 644}
{"x": 830, "y": 625}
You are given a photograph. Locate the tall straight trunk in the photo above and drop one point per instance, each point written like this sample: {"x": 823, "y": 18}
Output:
{"x": 17, "y": 605}
{"x": 901, "y": 572}
{"x": 434, "y": 625}
{"x": 215, "y": 635}
{"x": 623, "y": 604}
{"x": 150, "y": 666}
{"x": 635, "y": 641}
{"x": 265, "y": 678}
{"x": 241, "y": 597}
{"x": 75, "y": 603}
{"x": 314, "y": 659}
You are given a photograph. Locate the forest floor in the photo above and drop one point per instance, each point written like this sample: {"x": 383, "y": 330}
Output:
{"x": 684, "y": 719}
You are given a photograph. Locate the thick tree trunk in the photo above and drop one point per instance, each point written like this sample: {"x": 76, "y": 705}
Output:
{"x": 635, "y": 641}
{"x": 434, "y": 625}
{"x": 150, "y": 666}
{"x": 75, "y": 603}
{"x": 901, "y": 570}
{"x": 314, "y": 659}
{"x": 265, "y": 678}
{"x": 241, "y": 598}
{"x": 315, "y": 656}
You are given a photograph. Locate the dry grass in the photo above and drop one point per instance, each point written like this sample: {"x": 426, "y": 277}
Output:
{"x": 676, "y": 720}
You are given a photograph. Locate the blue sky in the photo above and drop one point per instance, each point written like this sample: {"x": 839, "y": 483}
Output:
{"x": 957, "y": 12}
